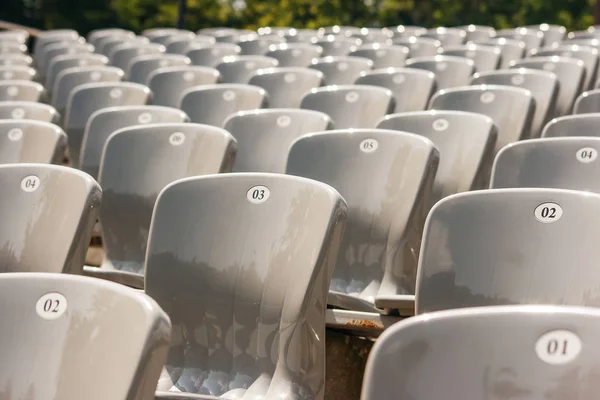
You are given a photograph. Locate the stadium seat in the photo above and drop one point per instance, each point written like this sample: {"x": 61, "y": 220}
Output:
{"x": 121, "y": 335}
{"x": 553, "y": 34}
{"x": 239, "y": 69}
{"x": 510, "y": 50}
{"x": 449, "y": 71}
{"x": 510, "y": 108}
{"x": 446, "y": 36}
{"x": 342, "y": 70}
{"x": 463, "y": 262}
{"x": 419, "y": 46}
{"x": 417, "y": 358}
{"x": 137, "y": 163}
{"x": 181, "y": 44}
{"x": 159, "y": 34}
{"x": 570, "y": 74}
{"x": 478, "y": 32}
{"x": 60, "y": 49}
{"x": 60, "y": 63}
{"x": 106, "y": 121}
{"x": 51, "y": 36}
{"x": 588, "y": 55}
{"x": 141, "y": 67}
{"x": 49, "y": 212}
{"x": 337, "y": 46}
{"x": 294, "y": 54}
{"x": 264, "y": 137}
{"x": 271, "y": 290}
{"x": 258, "y": 45}
{"x": 485, "y": 58}
{"x": 561, "y": 163}
{"x": 543, "y": 86}
{"x": 28, "y": 110}
{"x": 12, "y": 47}
{"x": 383, "y": 56}
{"x": 532, "y": 38}
{"x": 122, "y": 54}
{"x": 19, "y": 35}
{"x": 573, "y": 125}
{"x": 16, "y": 59}
{"x": 107, "y": 45}
{"x": 16, "y": 72}
{"x": 411, "y": 87}
{"x": 588, "y": 102}
{"x": 465, "y": 141}
{"x": 300, "y": 35}
{"x": 212, "y": 55}
{"x": 406, "y": 30}
{"x": 94, "y": 36}
{"x": 286, "y": 86}
{"x": 21, "y": 91}
{"x": 351, "y": 106}
{"x": 164, "y": 39}
{"x": 28, "y": 141}
{"x": 168, "y": 83}
{"x": 90, "y": 97}
{"x": 385, "y": 177}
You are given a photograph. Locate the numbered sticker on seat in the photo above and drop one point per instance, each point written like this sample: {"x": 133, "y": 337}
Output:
{"x": 587, "y": 155}
{"x": 368, "y": 145}
{"x": 258, "y": 194}
{"x": 558, "y": 347}
{"x": 30, "y": 183}
{"x": 548, "y": 213}
{"x": 51, "y": 306}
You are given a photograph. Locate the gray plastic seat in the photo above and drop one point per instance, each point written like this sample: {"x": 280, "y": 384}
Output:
{"x": 465, "y": 141}
{"x": 212, "y": 55}
{"x": 510, "y": 50}
{"x": 21, "y": 91}
{"x": 49, "y": 212}
{"x": 419, "y": 46}
{"x": 336, "y": 46}
{"x": 510, "y": 246}
{"x": 562, "y": 163}
{"x": 141, "y": 67}
{"x": 570, "y": 74}
{"x": 351, "y": 106}
{"x": 105, "y": 121}
{"x": 343, "y": 70}
{"x": 239, "y": 69}
{"x": 16, "y": 72}
{"x": 60, "y": 63}
{"x": 91, "y": 97}
{"x": 294, "y": 54}
{"x": 95, "y": 35}
{"x": 107, "y": 45}
{"x": 406, "y": 30}
{"x": 12, "y": 47}
{"x": 28, "y": 141}
{"x": 383, "y": 56}
{"x": 300, "y": 35}
{"x": 137, "y": 163}
{"x": 588, "y": 55}
{"x": 543, "y": 86}
{"x": 573, "y": 125}
{"x": 286, "y": 86}
{"x": 259, "y": 45}
{"x": 89, "y": 319}
{"x": 270, "y": 290}
{"x": 484, "y": 57}
{"x": 69, "y": 79}
{"x": 533, "y": 39}
{"x": 18, "y": 35}
{"x": 16, "y": 59}
{"x": 60, "y": 49}
{"x": 212, "y": 104}
{"x": 122, "y": 54}
{"x": 510, "y": 108}
{"x": 264, "y": 137}
{"x": 588, "y": 102}
{"x": 181, "y": 44}
{"x": 446, "y": 36}
{"x": 169, "y": 83}
{"x": 449, "y": 71}
{"x": 384, "y": 176}
{"x": 478, "y": 32}
{"x": 553, "y": 34}
{"x": 28, "y": 110}
{"x": 51, "y": 36}
{"x": 417, "y": 358}
{"x": 164, "y": 39}
{"x": 411, "y": 87}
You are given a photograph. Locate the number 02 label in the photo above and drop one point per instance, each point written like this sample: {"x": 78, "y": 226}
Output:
{"x": 558, "y": 347}
{"x": 51, "y": 305}
{"x": 548, "y": 213}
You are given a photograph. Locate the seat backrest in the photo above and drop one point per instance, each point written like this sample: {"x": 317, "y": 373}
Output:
{"x": 264, "y": 137}
{"x": 107, "y": 45}
{"x": 419, "y": 46}
{"x": 406, "y": 30}
{"x": 60, "y": 63}
{"x": 465, "y": 141}
{"x": 17, "y": 72}
{"x": 510, "y": 246}
{"x": 553, "y": 34}
{"x": 91, "y": 97}
{"x": 141, "y": 67}
{"x": 336, "y": 46}
{"x": 510, "y": 108}
{"x": 543, "y": 86}
{"x": 485, "y": 58}
{"x": 573, "y": 125}
{"x": 286, "y": 86}
{"x": 271, "y": 289}
{"x": 294, "y": 54}
{"x": 588, "y": 102}
{"x": 562, "y": 163}
{"x": 259, "y": 45}
{"x": 21, "y": 91}
{"x": 588, "y": 55}
{"x": 28, "y": 110}
{"x": 478, "y": 32}
{"x": 49, "y": 213}
{"x": 533, "y": 39}
{"x": 60, "y": 49}
{"x": 212, "y": 55}
{"x": 450, "y": 71}
{"x": 212, "y": 104}
{"x": 104, "y": 122}
{"x": 137, "y": 163}
{"x": 28, "y": 141}
{"x": 350, "y": 106}
{"x": 416, "y": 358}
{"x": 570, "y": 74}
{"x": 385, "y": 177}
{"x": 383, "y": 56}
{"x": 164, "y": 39}
{"x": 239, "y": 69}
{"x": 341, "y": 70}
{"x": 120, "y": 334}
{"x": 181, "y": 44}
{"x": 16, "y": 59}
{"x": 446, "y": 36}
{"x": 511, "y": 50}
{"x": 122, "y": 54}
{"x": 168, "y": 83}
{"x": 411, "y": 87}
{"x": 97, "y": 34}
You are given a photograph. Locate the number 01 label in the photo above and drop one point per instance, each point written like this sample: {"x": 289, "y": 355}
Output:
{"x": 558, "y": 347}
{"x": 51, "y": 305}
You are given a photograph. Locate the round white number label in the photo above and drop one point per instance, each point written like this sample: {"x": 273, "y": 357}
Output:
{"x": 228, "y": 95}
{"x": 558, "y": 347}
{"x": 517, "y": 79}
{"x": 30, "y": 183}
{"x": 351, "y": 97}
{"x": 145, "y": 118}
{"x": 188, "y": 76}
{"x": 250, "y": 65}
{"x": 548, "y": 213}
{"x": 283, "y": 121}
{"x": 487, "y": 97}
{"x": 18, "y": 113}
{"x": 95, "y": 76}
{"x": 258, "y": 194}
{"x": 440, "y": 124}
{"x": 289, "y": 77}
{"x": 441, "y": 66}
{"x": 398, "y": 79}
{"x": 296, "y": 52}
{"x": 549, "y": 66}
{"x": 116, "y": 93}
{"x": 12, "y": 91}
{"x": 369, "y": 145}
{"x": 587, "y": 155}
{"x": 7, "y": 75}
{"x": 176, "y": 138}
{"x": 15, "y": 134}
{"x": 342, "y": 66}
{"x": 51, "y": 305}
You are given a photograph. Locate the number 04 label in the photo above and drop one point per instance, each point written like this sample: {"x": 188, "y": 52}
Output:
{"x": 51, "y": 305}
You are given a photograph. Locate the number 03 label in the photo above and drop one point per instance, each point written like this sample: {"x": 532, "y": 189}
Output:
{"x": 258, "y": 194}
{"x": 51, "y": 305}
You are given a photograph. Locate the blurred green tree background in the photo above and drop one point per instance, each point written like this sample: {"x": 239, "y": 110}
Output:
{"x": 85, "y": 15}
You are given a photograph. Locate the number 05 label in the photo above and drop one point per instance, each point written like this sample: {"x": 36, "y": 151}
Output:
{"x": 51, "y": 305}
